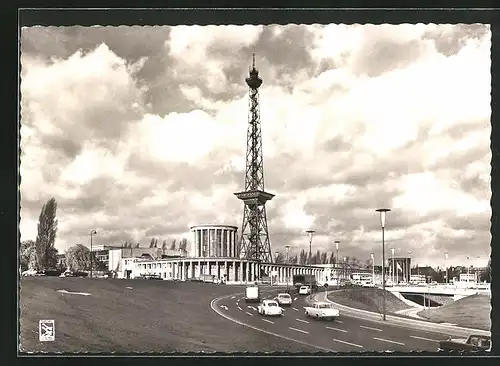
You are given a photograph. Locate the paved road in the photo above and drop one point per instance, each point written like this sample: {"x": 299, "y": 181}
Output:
{"x": 345, "y": 334}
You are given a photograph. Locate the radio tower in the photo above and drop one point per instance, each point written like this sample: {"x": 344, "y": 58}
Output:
{"x": 254, "y": 241}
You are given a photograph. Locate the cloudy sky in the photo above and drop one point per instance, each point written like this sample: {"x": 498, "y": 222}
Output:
{"x": 140, "y": 132}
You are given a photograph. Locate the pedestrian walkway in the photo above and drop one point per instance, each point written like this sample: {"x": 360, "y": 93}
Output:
{"x": 412, "y": 312}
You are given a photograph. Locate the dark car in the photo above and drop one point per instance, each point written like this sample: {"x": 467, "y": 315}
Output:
{"x": 472, "y": 343}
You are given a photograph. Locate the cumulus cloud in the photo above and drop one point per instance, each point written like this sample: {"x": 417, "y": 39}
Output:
{"x": 140, "y": 132}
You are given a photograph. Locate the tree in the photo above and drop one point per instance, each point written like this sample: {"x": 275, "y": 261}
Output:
{"x": 46, "y": 236}
{"x": 137, "y": 245}
{"x": 152, "y": 243}
{"x": 183, "y": 245}
{"x": 156, "y": 243}
{"x": 332, "y": 258}
{"x": 25, "y": 250}
{"x": 293, "y": 259}
{"x": 280, "y": 258}
{"x": 172, "y": 245}
{"x": 324, "y": 258}
{"x": 78, "y": 258}
{"x": 486, "y": 274}
{"x": 302, "y": 257}
{"x": 164, "y": 245}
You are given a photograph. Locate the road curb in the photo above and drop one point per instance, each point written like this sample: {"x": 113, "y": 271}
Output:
{"x": 407, "y": 323}
{"x": 220, "y": 313}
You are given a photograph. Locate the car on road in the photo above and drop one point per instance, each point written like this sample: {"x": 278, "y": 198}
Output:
{"x": 269, "y": 307}
{"x": 304, "y": 290}
{"x": 252, "y": 293}
{"x": 283, "y": 299}
{"x": 321, "y": 310}
{"x": 472, "y": 343}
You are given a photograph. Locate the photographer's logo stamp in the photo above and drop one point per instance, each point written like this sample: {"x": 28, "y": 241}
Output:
{"x": 46, "y": 330}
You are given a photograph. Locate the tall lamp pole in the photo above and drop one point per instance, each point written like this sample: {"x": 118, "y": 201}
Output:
{"x": 311, "y": 234}
{"x": 383, "y": 213}
{"x": 92, "y": 232}
{"x": 468, "y": 271}
{"x": 287, "y": 248}
{"x": 409, "y": 269}
{"x": 372, "y": 256}
{"x": 276, "y": 254}
{"x": 337, "y": 243}
{"x": 446, "y": 266}
{"x": 392, "y": 267}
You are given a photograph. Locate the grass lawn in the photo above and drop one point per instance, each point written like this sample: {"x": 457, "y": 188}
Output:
{"x": 472, "y": 311}
{"x": 153, "y": 316}
{"x": 369, "y": 299}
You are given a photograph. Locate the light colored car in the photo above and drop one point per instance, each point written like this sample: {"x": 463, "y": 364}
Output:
{"x": 304, "y": 290}
{"x": 283, "y": 299}
{"x": 322, "y": 310}
{"x": 270, "y": 307}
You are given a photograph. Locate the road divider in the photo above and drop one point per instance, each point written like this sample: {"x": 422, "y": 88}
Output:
{"x": 268, "y": 321}
{"x": 388, "y": 341}
{"x": 348, "y": 343}
{"x": 425, "y": 339}
{"x": 371, "y": 328}
{"x": 337, "y": 329}
{"x": 298, "y": 330}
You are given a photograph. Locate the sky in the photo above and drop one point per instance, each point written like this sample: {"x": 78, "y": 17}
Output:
{"x": 140, "y": 132}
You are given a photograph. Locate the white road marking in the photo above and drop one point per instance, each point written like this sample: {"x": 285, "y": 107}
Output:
{"x": 130, "y": 288}
{"x": 387, "y": 340}
{"x": 349, "y": 343}
{"x": 303, "y": 321}
{"x": 376, "y": 329}
{"x": 251, "y": 307}
{"x": 240, "y": 308}
{"x": 224, "y": 307}
{"x": 232, "y": 297}
{"x": 248, "y": 313}
{"x": 294, "y": 299}
{"x": 295, "y": 309}
{"x": 73, "y": 293}
{"x": 337, "y": 329}
{"x": 268, "y": 321}
{"x": 425, "y": 339}
{"x": 298, "y": 330}
{"x": 339, "y": 321}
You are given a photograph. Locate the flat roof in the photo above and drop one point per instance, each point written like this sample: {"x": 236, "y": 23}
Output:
{"x": 213, "y": 225}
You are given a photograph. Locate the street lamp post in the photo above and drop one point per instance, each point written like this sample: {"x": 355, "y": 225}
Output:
{"x": 276, "y": 254}
{"x": 337, "y": 242}
{"x": 311, "y": 234}
{"x": 468, "y": 271}
{"x": 372, "y": 256}
{"x": 287, "y": 248}
{"x": 392, "y": 267}
{"x": 409, "y": 269}
{"x": 92, "y": 232}
{"x": 344, "y": 268}
{"x": 446, "y": 267}
{"x": 383, "y": 213}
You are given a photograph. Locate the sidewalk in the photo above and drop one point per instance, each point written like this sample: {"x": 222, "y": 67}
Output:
{"x": 411, "y": 312}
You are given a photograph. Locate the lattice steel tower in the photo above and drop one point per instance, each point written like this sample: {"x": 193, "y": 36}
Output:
{"x": 254, "y": 242}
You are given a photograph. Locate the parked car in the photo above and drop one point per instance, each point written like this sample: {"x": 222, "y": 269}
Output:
{"x": 269, "y": 307}
{"x": 322, "y": 310}
{"x": 472, "y": 343}
{"x": 283, "y": 299}
{"x": 304, "y": 290}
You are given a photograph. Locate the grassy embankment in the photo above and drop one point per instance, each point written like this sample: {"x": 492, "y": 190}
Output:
{"x": 472, "y": 312}
{"x": 369, "y": 299}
